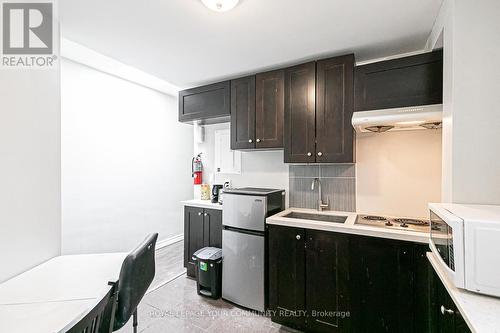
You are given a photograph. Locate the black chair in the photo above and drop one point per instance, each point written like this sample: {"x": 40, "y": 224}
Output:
{"x": 137, "y": 273}
{"x": 98, "y": 319}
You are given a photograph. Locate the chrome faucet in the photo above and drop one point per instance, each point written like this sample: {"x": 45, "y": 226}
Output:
{"x": 321, "y": 205}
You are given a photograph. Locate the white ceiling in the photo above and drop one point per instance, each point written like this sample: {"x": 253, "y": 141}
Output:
{"x": 184, "y": 43}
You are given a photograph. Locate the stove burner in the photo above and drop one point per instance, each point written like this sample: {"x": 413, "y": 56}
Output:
{"x": 374, "y": 218}
{"x": 404, "y": 222}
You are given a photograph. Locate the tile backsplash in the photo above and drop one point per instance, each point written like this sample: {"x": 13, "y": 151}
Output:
{"x": 338, "y": 183}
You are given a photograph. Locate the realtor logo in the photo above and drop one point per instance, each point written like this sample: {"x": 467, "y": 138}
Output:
{"x": 27, "y": 28}
{"x": 27, "y": 34}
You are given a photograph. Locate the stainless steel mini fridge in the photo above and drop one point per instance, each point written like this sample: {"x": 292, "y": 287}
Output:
{"x": 244, "y": 244}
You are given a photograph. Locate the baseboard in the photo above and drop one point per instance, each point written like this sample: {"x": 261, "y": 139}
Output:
{"x": 169, "y": 241}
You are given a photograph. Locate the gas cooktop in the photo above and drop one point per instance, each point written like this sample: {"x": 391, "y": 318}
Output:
{"x": 400, "y": 223}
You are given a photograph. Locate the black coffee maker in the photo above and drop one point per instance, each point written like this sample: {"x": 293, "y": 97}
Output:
{"x": 215, "y": 193}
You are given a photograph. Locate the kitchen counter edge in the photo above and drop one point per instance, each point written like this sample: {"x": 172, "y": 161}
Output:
{"x": 348, "y": 227}
{"x": 201, "y": 204}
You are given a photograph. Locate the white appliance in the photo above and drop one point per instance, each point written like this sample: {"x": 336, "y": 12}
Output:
{"x": 397, "y": 119}
{"x": 244, "y": 244}
{"x": 466, "y": 241}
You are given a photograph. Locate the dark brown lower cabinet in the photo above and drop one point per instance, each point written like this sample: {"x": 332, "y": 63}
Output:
{"x": 287, "y": 276}
{"x": 446, "y": 317}
{"x": 327, "y": 282}
{"x": 383, "y": 273}
{"x": 308, "y": 279}
{"x": 323, "y": 281}
{"x": 202, "y": 227}
{"x": 422, "y": 289}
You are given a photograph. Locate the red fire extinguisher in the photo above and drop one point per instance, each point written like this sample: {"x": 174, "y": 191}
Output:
{"x": 197, "y": 168}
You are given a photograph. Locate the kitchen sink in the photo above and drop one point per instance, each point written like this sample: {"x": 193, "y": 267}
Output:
{"x": 316, "y": 217}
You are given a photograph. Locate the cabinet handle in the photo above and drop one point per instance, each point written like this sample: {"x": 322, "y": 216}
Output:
{"x": 250, "y": 141}
{"x": 309, "y": 154}
{"x": 320, "y": 153}
{"x": 446, "y": 311}
{"x": 199, "y": 213}
{"x": 298, "y": 237}
{"x": 258, "y": 140}
{"x": 205, "y": 214}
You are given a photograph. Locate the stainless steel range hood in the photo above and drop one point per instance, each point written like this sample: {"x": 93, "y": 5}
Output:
{"x": 399, "y": 119}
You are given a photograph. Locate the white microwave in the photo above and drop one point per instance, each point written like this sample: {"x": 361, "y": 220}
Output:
{"x": 466, "y": 241}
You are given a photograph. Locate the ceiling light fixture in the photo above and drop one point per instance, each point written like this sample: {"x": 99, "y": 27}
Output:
{"x": 220, "y": 5}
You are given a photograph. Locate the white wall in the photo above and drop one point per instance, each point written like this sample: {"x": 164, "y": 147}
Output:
{"x": 30, "y": 170}
{"x": 398, "y": 173}
{"x": 125, "y": 162}
{"x": 471, "y": 162}
{"x": 258, "y": 168}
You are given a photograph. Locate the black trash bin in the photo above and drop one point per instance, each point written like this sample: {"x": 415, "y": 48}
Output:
{"x": 209, "y": 271}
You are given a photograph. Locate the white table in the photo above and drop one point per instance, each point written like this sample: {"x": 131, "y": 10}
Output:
{"x": 49, "y": 296}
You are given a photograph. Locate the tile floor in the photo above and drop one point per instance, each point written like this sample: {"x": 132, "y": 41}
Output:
{"x": 169, "y": 264}
{"x": 176, "y": 307}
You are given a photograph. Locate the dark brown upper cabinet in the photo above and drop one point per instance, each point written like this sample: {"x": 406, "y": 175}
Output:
{"x": 334, "y": 108}
{"x": 207, "y": 104}
{"x": 409, "y": 81}
{"x": 300, "y": 109}
{"x": 243, "y": 113}
{"x": 257, "y": 111}
{"x": 318, "y": 111}
{"x": 269, "y": 109}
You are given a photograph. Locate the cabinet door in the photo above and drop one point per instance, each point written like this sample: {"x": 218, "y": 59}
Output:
{"x": 193, "y": 236}
{"x": 243, "y": 113}
{"x": 205, "y": 103}
{"x": 300, "y": 108}
{"x": 327, "y": 281}
{"x": 409, "y": 81}
{"x": 382, "y": 274}
{"x": 445, "y": 308}
{"x": 287, "y": 276}
{"x": 422, "y": 289}
{"x": 212, "y": 220}
{"x": 460, "y": 324}
{"x": 269, "y": 109}
{"x": 334, "y": 108}
{"x": 447, "y": 318}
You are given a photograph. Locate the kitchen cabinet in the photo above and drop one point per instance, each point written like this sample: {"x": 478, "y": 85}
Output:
{"x": 335, "y": 282}
{"x": 257, "y": 111}
{"x": 327, "y": 281}
{"x": 287, "y": 275}
{"x": 243, "y": 113}
{"x": 269, "y": 109}
{"x": 202, "y": 228}
{"x": 446, "y": 317}
{"x": 422, "y": 290}
{"x": 319, "y": 101}
{"x": 334, "y": 108}
{"x": 408, "y": 81}
{"x": 212, "y": 222}
{"x": 207, "y": 104}
{"x": 308, "y": 279}
{"x": 300, "y": 118}
{"x": 383, "y": 275}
